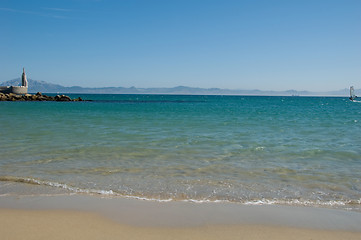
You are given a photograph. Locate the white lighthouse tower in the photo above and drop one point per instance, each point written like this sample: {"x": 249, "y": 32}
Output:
{"x": 24, "y": 81}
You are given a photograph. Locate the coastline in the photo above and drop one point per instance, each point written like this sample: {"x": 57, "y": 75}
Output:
{"x": 13, "y": 97}
{"x": 92, "y": 217}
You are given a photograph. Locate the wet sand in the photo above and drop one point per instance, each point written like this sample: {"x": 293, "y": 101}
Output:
{"x": 87, "y": 217}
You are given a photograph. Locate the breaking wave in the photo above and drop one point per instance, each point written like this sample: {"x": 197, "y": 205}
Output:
{"x": 345, "y": 204}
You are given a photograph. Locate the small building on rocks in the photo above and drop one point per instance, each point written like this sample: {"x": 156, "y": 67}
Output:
{"x": 23, "y": 89}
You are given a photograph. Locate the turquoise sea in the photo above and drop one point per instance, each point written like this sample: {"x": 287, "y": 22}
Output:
{"x": 243, "y": 149}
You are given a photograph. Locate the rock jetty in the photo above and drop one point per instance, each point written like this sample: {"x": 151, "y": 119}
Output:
{"x": 37, "y": 97}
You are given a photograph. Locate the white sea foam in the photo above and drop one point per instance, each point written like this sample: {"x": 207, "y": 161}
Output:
{"x": 111, "y": 193}
{"x": 148, "y": 199}
{"x": 297, "y": 202}
{"x": 205, "y": 201}
{"x": 259, "y": 148}
{"x": 56, "y": 185}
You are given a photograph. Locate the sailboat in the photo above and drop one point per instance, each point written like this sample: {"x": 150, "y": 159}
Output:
{"x": 352, "y": 97}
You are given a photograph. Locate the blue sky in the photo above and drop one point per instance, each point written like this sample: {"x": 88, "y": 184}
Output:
{"x": 268, "y": 45}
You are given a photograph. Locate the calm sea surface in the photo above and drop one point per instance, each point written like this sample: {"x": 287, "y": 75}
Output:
{"x": 244, "y": 149}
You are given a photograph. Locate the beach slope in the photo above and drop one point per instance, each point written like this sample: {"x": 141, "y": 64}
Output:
{"x": 61, "y": 224}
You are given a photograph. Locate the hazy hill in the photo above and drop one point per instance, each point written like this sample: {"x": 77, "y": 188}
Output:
{"x": 45, "y": 87}
{"x": 36, "y": 86}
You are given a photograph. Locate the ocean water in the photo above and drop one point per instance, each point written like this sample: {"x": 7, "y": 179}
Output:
{"x": 243, "y": 149}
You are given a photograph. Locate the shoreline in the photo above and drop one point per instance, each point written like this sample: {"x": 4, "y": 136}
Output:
{"x": 92, "y": 217}
{"x": 188, "y": 214}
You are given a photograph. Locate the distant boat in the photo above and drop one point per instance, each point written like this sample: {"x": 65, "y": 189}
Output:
{"x": 352, "y": 97}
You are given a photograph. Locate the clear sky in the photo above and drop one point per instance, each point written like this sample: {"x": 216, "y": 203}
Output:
{"x": 245, "y": 44}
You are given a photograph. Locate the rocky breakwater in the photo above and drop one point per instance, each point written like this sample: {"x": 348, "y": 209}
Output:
{"x": 37, "y": 97}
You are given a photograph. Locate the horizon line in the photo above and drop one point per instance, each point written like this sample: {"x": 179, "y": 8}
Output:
{"x": 201, "y": 88}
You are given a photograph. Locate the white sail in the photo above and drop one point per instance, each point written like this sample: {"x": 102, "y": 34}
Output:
{"x": 352, "y": 94}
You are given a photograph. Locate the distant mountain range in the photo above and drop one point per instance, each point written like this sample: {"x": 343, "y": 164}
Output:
{"x": 45, "y": 87}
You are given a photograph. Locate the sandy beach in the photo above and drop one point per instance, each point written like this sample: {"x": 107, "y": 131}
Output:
{"x": 87, "y": 217}
{"x": 26, "y": 224}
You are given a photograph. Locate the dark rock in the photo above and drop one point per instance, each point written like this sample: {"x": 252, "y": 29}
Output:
{"x": 37, "y": 97}
{"x": 3, "y": 97}
{"x": 62, "y": 98}
{"x": 41, "y": 98}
